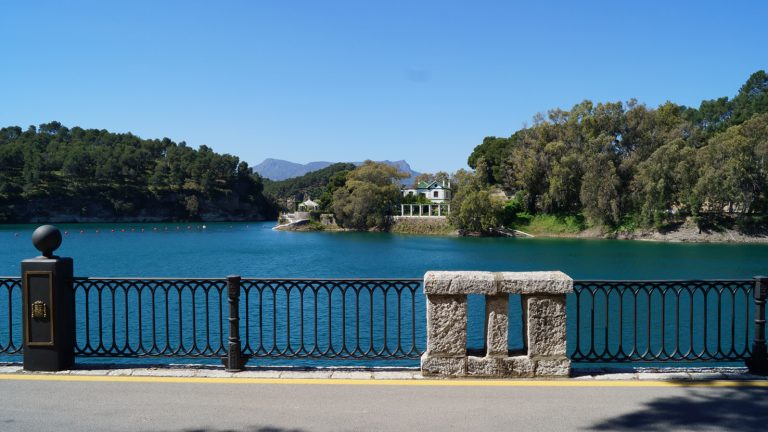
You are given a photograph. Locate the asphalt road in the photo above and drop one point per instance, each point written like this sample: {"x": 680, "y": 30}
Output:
{"x": 163, "y": 406}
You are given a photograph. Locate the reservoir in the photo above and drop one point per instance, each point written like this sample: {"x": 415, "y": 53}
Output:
{"x": 254, "y": 250}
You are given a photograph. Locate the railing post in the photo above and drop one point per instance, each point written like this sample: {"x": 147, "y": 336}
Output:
{"x": 758, "y": 363}
{"x": 234, "y": 361}
{"x": 48, "y": 305}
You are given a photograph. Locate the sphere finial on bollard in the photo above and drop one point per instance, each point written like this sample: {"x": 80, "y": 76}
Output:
{"x": 46, "y": 239}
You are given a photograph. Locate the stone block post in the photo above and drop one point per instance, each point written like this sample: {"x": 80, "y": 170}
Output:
{"x": 543, "y": 301}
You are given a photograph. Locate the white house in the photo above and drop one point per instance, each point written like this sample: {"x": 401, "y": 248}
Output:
{"x": 309, "y": 205}
{"x": 433, "y": 191}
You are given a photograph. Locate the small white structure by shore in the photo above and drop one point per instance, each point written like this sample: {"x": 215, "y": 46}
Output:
{"x": 309, "y": 206}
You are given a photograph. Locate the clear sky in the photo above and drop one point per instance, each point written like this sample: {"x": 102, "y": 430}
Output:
{"x": 354, "y": 80}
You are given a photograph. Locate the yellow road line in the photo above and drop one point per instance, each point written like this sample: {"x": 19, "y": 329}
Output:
{"x": 380, "y": 382}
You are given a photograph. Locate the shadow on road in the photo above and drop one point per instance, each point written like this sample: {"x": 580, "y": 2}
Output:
{"x": 249, "y": 429}
{"x": 743, "y": 409}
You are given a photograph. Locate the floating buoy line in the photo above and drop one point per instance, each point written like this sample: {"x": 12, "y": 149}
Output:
{"x": 134, "y": 230}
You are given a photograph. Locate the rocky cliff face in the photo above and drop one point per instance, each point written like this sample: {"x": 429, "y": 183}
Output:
{"x": 171, "y": 208}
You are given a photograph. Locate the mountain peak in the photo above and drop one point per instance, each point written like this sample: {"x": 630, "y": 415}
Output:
{"x": 278, "y": 169}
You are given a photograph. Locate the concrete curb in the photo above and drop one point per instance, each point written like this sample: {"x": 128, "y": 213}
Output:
{"x": 187, "y": 371}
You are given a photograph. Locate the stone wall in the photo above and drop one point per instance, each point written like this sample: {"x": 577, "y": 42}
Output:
{"x": 421, "y": 225}
{"x": 543, "y": 300}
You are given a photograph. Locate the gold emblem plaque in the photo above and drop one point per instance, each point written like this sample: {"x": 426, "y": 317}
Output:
{"x": 38, "y": 294}
{"x": 39, "y": 310}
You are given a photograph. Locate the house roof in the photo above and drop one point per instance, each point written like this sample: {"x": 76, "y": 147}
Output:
{"x": 310, "y": 203}
{"x": 429, "y": 185}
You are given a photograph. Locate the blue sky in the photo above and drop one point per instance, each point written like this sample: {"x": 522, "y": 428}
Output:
{"x": 347, "y": 81}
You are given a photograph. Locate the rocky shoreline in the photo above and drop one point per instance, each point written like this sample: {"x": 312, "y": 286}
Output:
{"x": 692, "y": 235}
{"x": 427, "y": 226}
{"x": 683, "y": 234}
{"x": 678, "y": 235}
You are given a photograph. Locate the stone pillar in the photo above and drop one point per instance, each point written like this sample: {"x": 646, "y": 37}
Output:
{"x": 543, "y": 295}
{"x": 497, "y": 325}
{"x": 446, "y": 294}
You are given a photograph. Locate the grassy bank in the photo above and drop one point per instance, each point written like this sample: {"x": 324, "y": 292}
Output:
{"x": 550, "y": 225}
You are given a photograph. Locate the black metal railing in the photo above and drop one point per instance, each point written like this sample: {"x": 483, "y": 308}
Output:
{"x": 382, "y": 319}
{"x": 346, "y": 319}
{"x": 137, "y": 317}
{"x": 661, "y": 321}
{"x": 333, "y": 318}
{"x": 10, "y": 315}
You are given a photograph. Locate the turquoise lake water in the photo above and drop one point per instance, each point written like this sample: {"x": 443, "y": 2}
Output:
{"x": 254, "y": 250}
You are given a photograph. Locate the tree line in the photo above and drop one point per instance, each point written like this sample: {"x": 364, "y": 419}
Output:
{"x": 94, "y": 174}
{"x": 626, "y": 164}
{"x": 312, "y": 184}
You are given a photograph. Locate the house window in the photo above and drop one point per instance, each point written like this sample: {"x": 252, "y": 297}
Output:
{"x": 435, "y": 194}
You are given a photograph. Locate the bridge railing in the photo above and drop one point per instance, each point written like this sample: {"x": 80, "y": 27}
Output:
{"x": 631, "y": 322}
{"x": 150, "y": 317}
{"x": 662, "y": 321}
{"x": 10, "y": 316}
{"x": 371, "y": 319}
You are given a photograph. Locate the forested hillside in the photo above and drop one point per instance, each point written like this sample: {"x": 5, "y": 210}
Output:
{"x": 313, "y": 184}
{"x": 627, "y": 164}
{"x": 53, "y": 173}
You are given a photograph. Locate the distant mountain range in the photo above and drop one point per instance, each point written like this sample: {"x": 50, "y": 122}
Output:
{"x": 277, "y": 169}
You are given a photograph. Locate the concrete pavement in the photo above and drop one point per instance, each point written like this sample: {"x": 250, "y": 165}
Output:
{"x": 82, "y": 402}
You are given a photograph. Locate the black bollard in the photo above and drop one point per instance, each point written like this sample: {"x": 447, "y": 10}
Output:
{"x": 48, "y": 312}
{"x": 234, "y": 361}
{"x": 758, "y": 363}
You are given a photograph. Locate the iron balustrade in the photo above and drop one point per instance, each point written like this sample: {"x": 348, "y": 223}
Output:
{"x": 139, "y": 317}
{"x": 373, "y": 319}
{"x": 661, "y": 321}
{"x": 10, "y": 324}
{"x": 383, "y": 319}
{"x": 370, "y": 319}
